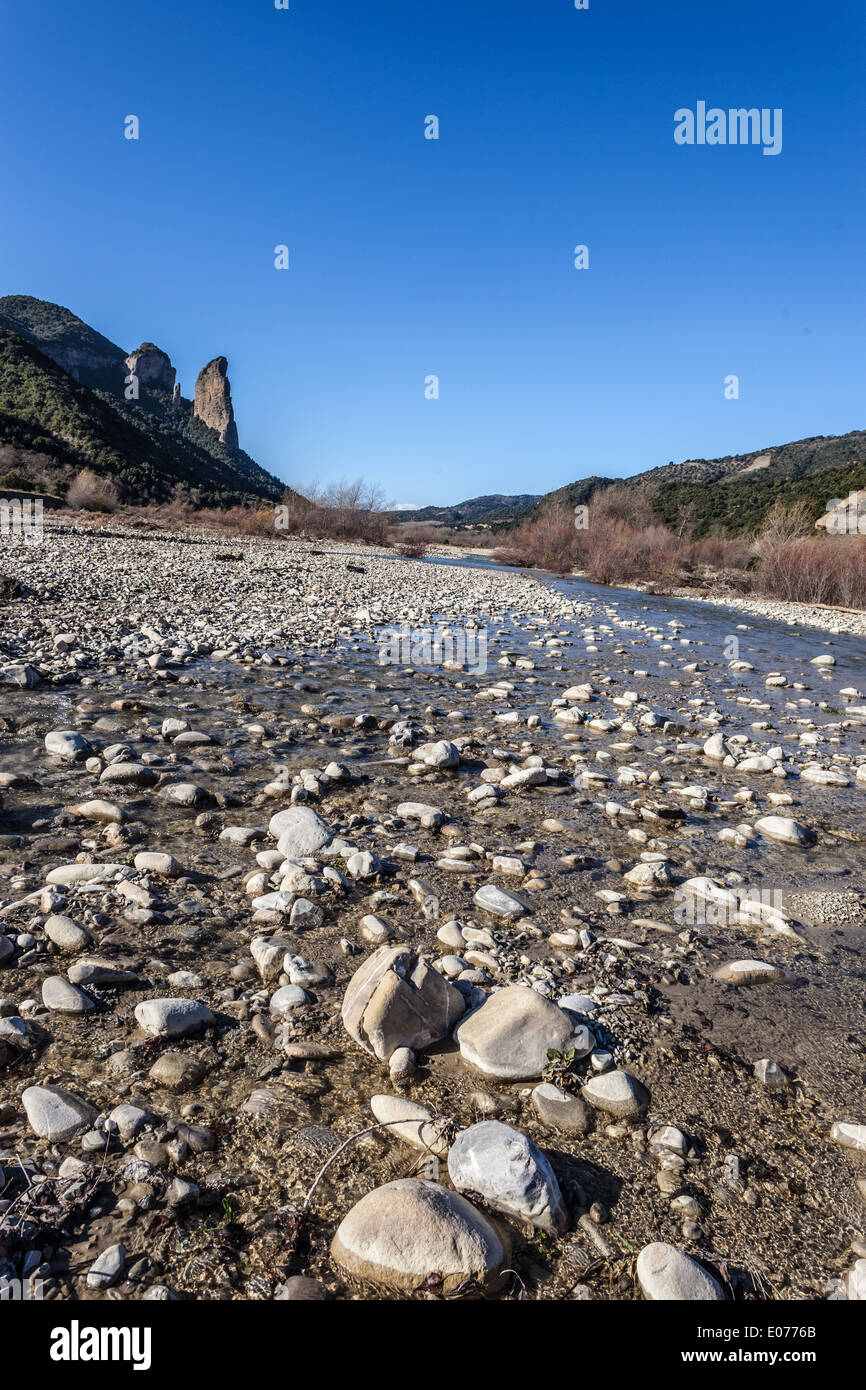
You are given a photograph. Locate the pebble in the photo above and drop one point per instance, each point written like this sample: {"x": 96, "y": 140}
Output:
{"x": 747, "y": 972}
{"x": 151, "y": 862}
{"x": 55, "y": 1114}
{"x": 67, "y": 935}
{"x": 202, "y": 713}
{"x": 177, "y": 1071}
{"x": 850, "y": 1136}
{"x": 668, "y": 1274}
{"x": 500, "y": 903}
{"x": 107, "y": 1269}
{"x": 61, "y": 997}
{"x": 560, "y": 1110}
{"x": 170, "y": 1018}
{"x": 412, "y": 1122}
{"x": 770, "y": 1074}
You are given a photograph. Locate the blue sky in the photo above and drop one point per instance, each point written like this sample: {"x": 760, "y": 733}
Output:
{"x": 412, "y": 257}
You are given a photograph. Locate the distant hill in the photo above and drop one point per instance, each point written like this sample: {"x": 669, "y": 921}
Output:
{"x": 734, "y": 493}
{"x": 63, "y": 408}
{"x": 493, "y": 508}
{"x": 728, "y": 495}
{"x": 86, "y": 355}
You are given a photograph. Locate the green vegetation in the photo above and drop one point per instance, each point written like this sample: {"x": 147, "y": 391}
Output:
{"x": 91, "y": 358}
{"x": 741, "y": 505}
{"x": 732, "y": 496}
{"x": 148, "y": 450}
{"x": 559, "y": 1068}
{"x": 16, "y": 482}
{"x": 494, "y": 508}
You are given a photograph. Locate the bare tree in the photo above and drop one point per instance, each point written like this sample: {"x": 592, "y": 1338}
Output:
{"x": 787, "y": 521}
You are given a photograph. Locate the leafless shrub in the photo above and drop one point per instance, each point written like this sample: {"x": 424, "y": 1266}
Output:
{"x": 827, "y": 570}
{"x": 412, "y": 545}
{"x": 548, "y": 542}
{"x": 785, "y": 522}
{"x": 724, "y": 552}
{"x": 613, "y": 550}
{"x": 250, "y": 521}
{"x": 341, "y": 511}
{"x": 88, "y": 492}
{"x": 634, "y": 504}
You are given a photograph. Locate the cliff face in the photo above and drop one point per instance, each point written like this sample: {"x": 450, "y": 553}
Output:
{"x": 213, "y": 401}
{"x": 63, "y": 406}
{"x": 152, "y": 366}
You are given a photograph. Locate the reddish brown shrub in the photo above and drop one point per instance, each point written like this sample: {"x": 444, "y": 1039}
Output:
{"x": 88, "y": 492}
{"x": 815, "y": 569}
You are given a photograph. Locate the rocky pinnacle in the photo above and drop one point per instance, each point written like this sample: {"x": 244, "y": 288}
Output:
{"x": 213, "y": 401}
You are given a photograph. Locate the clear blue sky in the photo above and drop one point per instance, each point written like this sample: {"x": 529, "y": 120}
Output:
{"x": 411, "y": 257}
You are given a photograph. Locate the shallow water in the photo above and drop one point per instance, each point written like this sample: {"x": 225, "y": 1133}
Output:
{"x": 813, "y": 1027}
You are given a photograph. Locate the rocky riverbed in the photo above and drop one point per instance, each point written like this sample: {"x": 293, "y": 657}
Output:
{"x": 326, "y": 979}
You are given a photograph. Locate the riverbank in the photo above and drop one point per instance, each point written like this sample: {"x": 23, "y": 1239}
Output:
{"x": 323, "y": 979}
{"x": 820, "y": 616}
{"x": 97, "y": 592}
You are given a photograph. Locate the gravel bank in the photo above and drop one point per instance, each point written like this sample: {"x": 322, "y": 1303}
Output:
{"x": 120, "y": 592}
{"x": 324, "y": 980}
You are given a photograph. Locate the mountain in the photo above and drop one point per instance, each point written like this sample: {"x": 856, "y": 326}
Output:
{"x": 89, "y": 358}
{"x": 70, "y": 398}
{"x": 734, "y": 493}
{"x": 493, "y": 508}
{"x": 729, "y": 495}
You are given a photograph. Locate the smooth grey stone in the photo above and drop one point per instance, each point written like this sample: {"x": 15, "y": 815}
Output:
{"x": 510, "y": 1172}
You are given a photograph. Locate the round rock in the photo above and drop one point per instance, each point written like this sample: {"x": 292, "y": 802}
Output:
{"x": 747, "y": 972}
{"x": 508, "y": 1038}
{"x": 299, "y": 832}
{"x": 667, "y": 1274}
{"x": 784, "y": 830}
{"x": 618, "y": 1093}
{"x": 169, "y": 1018}
{"x": 66, "y": 744}
{"x": 61, "y": 997}
{"x": 510, "y": 1172}
{"x": 154, "y": 862}
{"x": 66, "y": 934}
{"x": 400, "y": 1234}
{"x": 567, "y": 1113}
